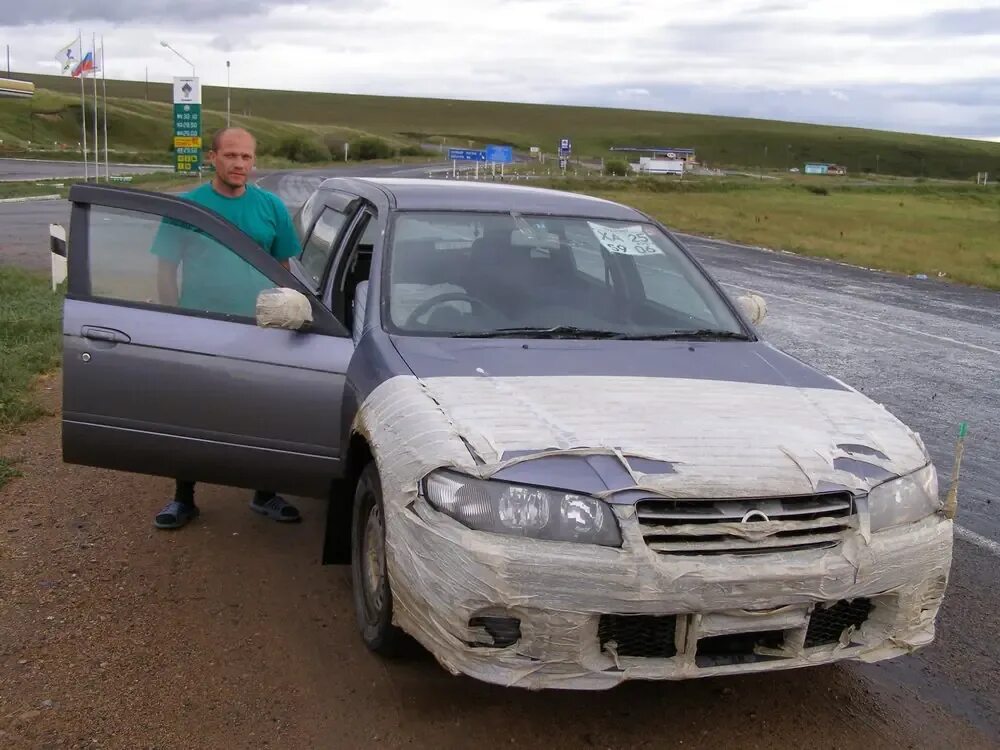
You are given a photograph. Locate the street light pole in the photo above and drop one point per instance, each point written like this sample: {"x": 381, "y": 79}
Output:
{"x": 164, "y": 44}
{"x": 227, "y": 93}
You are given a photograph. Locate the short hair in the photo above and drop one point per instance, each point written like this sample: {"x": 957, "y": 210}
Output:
{"x": 219, "y": 134}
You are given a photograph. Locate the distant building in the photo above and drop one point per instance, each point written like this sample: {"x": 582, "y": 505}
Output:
{"x": 824, "y": 168}
{"x": 685, "y": 155}
{"x": 21, "y": 89}
{"x": 659, "y": 160}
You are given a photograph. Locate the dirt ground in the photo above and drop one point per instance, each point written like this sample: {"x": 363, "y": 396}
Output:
{"x": 230, "y": 634}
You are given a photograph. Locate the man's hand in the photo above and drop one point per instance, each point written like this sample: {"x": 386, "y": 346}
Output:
{"x": 166, "y": 282}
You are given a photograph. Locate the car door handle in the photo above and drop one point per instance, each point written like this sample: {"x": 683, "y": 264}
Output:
{"x": 105, "y": 334}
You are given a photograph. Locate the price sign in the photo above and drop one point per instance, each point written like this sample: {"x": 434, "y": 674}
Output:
{"x": 631, "y": 240}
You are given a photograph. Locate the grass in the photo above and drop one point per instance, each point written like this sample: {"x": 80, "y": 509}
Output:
{"x": 720, "y": 141}
{"x": 7, "y": 471}
{"x": 930, "y": 228}
{"x": 48, "y": 126}
{"x": 29, "y": 188}
{"x": 30, "y": 316}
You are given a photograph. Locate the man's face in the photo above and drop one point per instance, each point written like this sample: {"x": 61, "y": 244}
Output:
{"x": 235, "y": 158}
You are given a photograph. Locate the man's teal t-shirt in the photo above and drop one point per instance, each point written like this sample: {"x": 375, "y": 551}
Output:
{"x": 214, "y": 278}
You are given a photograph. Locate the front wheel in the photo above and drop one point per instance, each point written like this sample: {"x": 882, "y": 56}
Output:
{"x": 369, "y": 575}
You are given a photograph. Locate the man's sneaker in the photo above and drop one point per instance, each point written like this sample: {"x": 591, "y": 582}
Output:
{"x": 175, "y": 514}
{"x": 276, "y": 508}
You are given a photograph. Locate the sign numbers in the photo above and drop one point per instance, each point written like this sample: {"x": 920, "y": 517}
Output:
{"x": 631, "y": 240}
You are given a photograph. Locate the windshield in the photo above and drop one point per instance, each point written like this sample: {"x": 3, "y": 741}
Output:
{"x": 478, "y": 274}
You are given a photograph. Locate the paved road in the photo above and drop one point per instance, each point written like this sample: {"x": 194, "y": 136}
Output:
{"x": 930, "y": 352}
{"x": 34, "y": 169}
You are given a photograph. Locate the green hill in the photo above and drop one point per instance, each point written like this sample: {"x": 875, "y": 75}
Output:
{"x": 719, "y": 141}
{"x": 138, "y": 129}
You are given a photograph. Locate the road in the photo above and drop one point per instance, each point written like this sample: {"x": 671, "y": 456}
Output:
{"x": 233, "y": 623}
{"x": 34, "y": 169}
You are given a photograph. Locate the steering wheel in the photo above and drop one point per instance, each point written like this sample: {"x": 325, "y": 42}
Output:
{"x": 429, "y": 304}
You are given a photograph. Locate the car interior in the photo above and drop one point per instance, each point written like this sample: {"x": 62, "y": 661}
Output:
{"x": 505, "y": 277}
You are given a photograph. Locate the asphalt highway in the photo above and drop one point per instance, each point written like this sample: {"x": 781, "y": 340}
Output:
{"x": 33, "y": 169}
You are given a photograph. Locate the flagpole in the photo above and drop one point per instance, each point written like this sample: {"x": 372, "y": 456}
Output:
{"x": 93, "y": 74}
{"x": 83, "y": 111}
{"x": 104, "y": 86}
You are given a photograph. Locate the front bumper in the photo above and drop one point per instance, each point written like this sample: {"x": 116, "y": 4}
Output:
{"x": 444, "y": 575}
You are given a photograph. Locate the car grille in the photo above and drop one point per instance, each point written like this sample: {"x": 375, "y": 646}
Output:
{"x": 826, "y": 624}
{"x": 639, "y": 635}
{"x": 737, "y": 648}
{"x": 746, "y": 527}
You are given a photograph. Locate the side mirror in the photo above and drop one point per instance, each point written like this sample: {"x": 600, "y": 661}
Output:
{"x": 753, "y": 306}
{"x": 358, "y": 313}
{"x": 283, "y": 308}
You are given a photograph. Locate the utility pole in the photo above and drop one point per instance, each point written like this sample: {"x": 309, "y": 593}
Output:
{"x": 147, "y": 83}
{"x": 227, "y": 93}
{"x": 8, "y": 61}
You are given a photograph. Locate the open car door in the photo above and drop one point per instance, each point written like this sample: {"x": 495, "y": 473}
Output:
{"x": 188, "y": 385}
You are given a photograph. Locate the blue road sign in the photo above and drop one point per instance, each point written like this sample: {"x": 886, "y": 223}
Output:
{"x": 565, "y": 146}
{"x": 500, "y": 154}
{"x": 466, "y": 154}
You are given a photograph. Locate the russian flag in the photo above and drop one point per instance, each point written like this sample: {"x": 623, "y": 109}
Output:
{"x": 85, "y": 66}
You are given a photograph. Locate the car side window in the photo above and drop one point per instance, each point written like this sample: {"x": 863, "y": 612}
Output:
{"x": 143, "y": 258}
{"x": 320, "y": 244}
{"x": 354, "y": 265}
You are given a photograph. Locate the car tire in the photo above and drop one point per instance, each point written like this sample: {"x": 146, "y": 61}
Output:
{"x": 369, "y": 575}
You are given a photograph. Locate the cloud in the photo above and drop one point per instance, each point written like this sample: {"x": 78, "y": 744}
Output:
{"x": 224, "y": 44}
{"x": 966, "y": 22}
{"x": 139, "y": 11}
{"x": 632, "y": 93}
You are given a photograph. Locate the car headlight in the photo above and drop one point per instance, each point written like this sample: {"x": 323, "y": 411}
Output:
{"x": 503, "y": 508}
{"x": 904, "y": 500}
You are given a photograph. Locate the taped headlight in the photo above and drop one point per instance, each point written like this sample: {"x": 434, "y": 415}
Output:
{"x": 517, "y": 510}
{"x": 904, "y": 500}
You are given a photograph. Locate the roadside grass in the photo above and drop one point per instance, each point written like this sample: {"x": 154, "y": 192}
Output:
{"x": 28, "y": 189}
{"x": 719, "y": 141}
{"x": 30, "y": 318}
{"x": 7, "y": 471}
{"x": 931, "y": 228}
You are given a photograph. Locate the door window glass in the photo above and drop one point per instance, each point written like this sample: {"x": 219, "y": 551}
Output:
{"x": 318, "y": 248}
{"x": 145, "y": 258}
{"x": 354, "y": 266}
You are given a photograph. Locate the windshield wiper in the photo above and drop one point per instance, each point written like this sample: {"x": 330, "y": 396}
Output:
{"x": 701, "y": 334}
{"x": 555, "y": 332}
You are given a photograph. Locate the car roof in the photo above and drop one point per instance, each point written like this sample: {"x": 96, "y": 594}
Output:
{"x": 456, "y": 195}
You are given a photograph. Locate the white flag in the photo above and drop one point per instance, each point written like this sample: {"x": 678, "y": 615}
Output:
{"x": 69, "y": 56}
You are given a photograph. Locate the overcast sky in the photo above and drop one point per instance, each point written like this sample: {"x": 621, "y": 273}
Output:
{"x": 929, "y": 66}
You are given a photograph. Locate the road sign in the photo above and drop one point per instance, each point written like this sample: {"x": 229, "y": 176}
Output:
{"x": 565, "y": 147}
{"x": 563, "y": 162}
{"x": 500, "y": 154}
{"x": 466, "y": 154}
{"x": 187, "y": 125}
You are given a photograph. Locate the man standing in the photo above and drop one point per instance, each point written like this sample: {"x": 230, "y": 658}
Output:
{"x": 217, "y": 280}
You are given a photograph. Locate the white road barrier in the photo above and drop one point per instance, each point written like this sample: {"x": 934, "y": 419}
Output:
{"x": 57, "y": 246}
